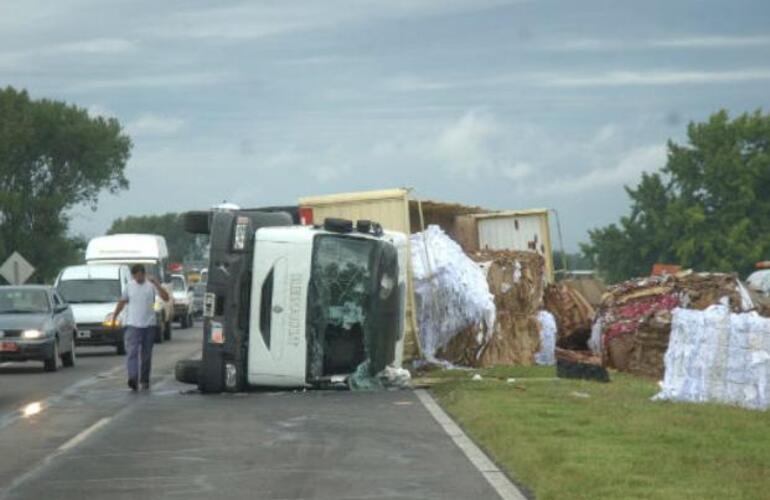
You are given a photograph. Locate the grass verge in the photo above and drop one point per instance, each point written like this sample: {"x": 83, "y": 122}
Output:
{"x": 574, "y": 439}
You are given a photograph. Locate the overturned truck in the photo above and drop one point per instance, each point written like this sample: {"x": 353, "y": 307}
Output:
{"x": 296, "y": 306}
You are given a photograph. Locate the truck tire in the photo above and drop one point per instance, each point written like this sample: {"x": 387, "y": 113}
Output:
{"x": 187, "y": 371}
{"x": 197, "y": 222}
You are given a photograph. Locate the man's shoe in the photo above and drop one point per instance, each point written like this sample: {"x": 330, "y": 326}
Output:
{"x": 132, "y": 384}
{"x": 145, "y": 386}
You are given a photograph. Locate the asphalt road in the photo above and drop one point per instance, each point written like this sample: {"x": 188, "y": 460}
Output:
{"x": 94, "y": 439}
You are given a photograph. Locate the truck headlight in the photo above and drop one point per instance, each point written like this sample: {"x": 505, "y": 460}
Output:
{"x": 239, "y": 237}
{"x": 32, "y": 334}
{"x": 158, "y": 306}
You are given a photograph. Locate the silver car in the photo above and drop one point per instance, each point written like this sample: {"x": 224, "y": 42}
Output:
{"x": 36, "y": 324}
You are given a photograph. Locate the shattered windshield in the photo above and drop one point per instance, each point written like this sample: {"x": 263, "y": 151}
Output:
{"x": 350, "y": 286}
{"x": 339, "y": 301}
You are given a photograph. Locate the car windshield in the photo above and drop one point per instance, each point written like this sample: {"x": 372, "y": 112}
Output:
{"x": 89, "y": 291}
{"x": 15, "y": 300}
{"x": 177, "y": 284}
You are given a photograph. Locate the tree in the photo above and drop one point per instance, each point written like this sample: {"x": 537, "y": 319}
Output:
{"x": 708, "y": 209}
{"x": 181, "y": 244}
{"x": 53, "y": 157}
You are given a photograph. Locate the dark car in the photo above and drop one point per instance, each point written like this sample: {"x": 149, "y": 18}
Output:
{"x": 36, "y": 324}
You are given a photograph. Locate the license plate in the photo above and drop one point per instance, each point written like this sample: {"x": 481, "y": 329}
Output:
{"x": 8, "y": 347}
{"x": 84, "y": 334}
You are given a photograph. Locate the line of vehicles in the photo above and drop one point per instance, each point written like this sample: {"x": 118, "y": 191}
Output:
{"x": 285, "y": 303}
{"x": 47, "y": 323}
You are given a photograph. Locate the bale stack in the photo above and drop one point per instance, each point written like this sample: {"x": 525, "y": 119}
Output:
{"x": 635, "y": 316}
{"x": 574, "y": 315}
{"x": 515, "y": 280}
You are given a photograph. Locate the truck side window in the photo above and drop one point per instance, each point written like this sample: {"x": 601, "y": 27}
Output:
{"x": 266, "y": 308}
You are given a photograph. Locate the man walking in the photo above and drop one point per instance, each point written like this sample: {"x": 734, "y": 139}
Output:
{"x": 140, "y": 324}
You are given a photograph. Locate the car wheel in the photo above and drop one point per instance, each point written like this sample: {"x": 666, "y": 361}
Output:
{"x": 69, "y": 358}
{"x": 53, "y": 363}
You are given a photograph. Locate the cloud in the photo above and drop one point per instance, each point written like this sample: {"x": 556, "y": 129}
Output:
{"x": 517, "y": 172}
{"x": 97, "y": 110}
{"x": 169, "y": 80}
{"x": 416, "y": 84}
{"x": 469, "y": 147}
{"x": 93, "y": 46}
{"x": 654, "y": 78}
{"x": 712, "y": 42}
{"x": 683, "y": 42}
{"x": 253, "y": 20}
{"x": 154, "y": 125}
{"x": 627, "y": 170}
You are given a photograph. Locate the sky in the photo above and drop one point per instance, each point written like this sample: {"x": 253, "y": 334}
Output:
{"x": 502, "y": 104}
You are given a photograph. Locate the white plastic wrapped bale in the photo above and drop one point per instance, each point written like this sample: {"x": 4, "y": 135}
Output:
{"x": 452, "y": 293}
{"x": 718, "y": 356}
{"x": 547, "y": 353}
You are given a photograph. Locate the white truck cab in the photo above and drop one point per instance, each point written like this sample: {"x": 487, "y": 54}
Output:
{"x": 147, "y": 249}
{"x": 298, "y": 306}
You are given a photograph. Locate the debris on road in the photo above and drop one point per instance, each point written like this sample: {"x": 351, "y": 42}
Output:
{"x": 634, "y": 322}
{"x": 582, "y": 365}
{"x": 515, "y": 279}
{"x": 573, "y": 313}
{"x": 548, "y": 331}
{"x": 716, "y": 355}
{"x": 452, "y": 294}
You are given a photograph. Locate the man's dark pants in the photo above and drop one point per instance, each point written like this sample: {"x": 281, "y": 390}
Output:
{"x": 139, "y": 342}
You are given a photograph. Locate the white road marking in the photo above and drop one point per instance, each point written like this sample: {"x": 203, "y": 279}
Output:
{"x": 496, "y": 478}
{"x": 32, "y": 472}
{"x": 83, "y": 435}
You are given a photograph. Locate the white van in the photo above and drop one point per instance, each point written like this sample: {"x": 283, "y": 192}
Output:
{"x": 147, "y": 249}
{"x": 93, "y": 291}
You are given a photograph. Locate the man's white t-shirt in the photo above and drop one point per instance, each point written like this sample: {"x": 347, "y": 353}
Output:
{"x": 140, "y": 310}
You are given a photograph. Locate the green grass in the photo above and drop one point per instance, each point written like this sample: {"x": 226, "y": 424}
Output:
{"x": 614, "y": 443}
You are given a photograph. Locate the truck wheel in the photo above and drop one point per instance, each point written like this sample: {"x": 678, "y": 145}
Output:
{"x": 197, "y": 222}
{"x": 167, "y": 331}
{"x": 53, "y": 363}
{"x": 187, "y": 371}
{"x": 68, "y": 359}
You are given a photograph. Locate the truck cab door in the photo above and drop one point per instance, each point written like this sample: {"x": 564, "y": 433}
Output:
{"x": 277, "y": 345}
